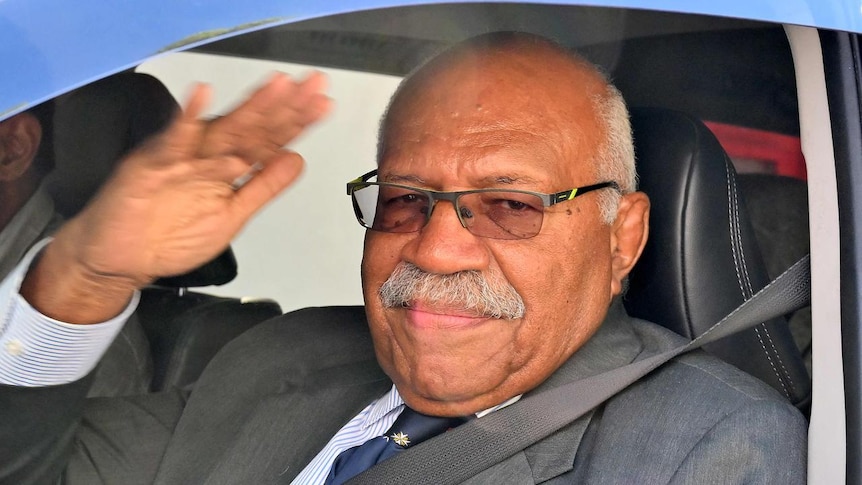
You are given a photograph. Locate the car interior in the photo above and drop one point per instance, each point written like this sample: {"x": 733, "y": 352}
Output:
{"x": 184, "y": 329}
{"x": 724, "y": 222}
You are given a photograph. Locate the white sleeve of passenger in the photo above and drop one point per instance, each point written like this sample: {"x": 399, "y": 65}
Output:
{"x": 36, "y": 350}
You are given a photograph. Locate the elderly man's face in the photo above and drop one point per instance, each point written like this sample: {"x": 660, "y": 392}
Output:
{"x": 501, "y": 122}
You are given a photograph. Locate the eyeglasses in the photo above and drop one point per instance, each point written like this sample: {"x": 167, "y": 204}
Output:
{"x": 491, "y": 213}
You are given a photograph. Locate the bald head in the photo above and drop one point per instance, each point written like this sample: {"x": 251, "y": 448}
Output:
{"x": 524, "y": 80}
{"x": 497, "y": 117}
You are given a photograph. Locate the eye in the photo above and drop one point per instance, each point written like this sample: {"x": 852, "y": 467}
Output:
{"x": 401, "y": 202}
{"x": 404, "y": 199}
{"x": 514, "y": 205}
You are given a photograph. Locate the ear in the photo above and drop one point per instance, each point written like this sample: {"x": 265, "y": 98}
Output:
{"x": 628, "y": 237}
{"x": 20, "y": 136}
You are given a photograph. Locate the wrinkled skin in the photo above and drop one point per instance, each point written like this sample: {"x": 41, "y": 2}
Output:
{"x": 170, "y": 206}
{"x": 517, "y": 117}
{"x": 20, "y": 137}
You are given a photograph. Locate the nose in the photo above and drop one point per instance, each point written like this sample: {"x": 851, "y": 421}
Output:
{"x": 445, "y": 246}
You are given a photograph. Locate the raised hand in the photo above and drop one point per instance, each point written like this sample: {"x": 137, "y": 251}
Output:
{"x": 173, "y": 203}
{"x": 273, "y": 116}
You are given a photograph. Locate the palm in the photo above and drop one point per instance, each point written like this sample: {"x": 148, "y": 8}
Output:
{"x": 171, "y": 207}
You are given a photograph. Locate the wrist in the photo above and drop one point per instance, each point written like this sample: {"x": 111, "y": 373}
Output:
{"x": 60, "y": 284}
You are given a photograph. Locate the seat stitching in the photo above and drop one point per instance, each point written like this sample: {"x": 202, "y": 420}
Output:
{"x": 736, "y": 236}
{"x": 778, "y": 357}
{"x": 762, "y": 326}
{"x": 748, "y": 291}
{"x": 769, "y": 357}
{"x": 689, "y": 321}
{"x": 731, "y": 221}
{"x": 737, "y": 232}
{"x": 732, "y": 215}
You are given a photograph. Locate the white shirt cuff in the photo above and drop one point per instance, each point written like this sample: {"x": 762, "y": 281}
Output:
{"x": 36, "y": 350}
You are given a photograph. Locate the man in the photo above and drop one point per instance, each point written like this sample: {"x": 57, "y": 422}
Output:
{"x": 27, "y": 215}
{"x": 468, "y": 309}
{"x": 26, "y": 211}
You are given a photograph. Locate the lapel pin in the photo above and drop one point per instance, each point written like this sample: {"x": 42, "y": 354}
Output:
{"x": 401, "y": 439}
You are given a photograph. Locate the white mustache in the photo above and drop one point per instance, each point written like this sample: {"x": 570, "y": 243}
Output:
{"x": 469, "y": 290}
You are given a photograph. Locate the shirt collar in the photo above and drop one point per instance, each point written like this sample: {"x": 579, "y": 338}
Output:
{"x": 388, "y": 403}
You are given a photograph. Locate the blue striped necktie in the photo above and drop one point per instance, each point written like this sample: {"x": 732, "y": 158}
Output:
{"x": 410, "y": 429}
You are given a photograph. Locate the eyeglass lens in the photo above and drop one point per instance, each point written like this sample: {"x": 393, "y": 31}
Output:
{"x": 498, "y": 214}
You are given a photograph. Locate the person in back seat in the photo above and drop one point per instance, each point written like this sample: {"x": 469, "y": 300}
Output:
{"x": 501, "y": 227}
{"x": 26, "y": 211}
{"x": 27, "y": 215}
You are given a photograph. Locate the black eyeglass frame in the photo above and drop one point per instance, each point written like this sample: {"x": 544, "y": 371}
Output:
{"x": 436, "y": 195}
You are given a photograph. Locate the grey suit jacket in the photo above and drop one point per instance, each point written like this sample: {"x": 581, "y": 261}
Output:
{"x": 273, "y": 397}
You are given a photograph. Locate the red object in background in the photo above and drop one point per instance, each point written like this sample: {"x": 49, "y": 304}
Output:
{"x": 762, "y": 151}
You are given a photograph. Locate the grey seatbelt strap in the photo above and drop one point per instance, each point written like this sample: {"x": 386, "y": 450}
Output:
{"x": 463, "y": 452}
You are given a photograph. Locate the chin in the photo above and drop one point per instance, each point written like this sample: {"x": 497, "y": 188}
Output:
{"x": 440, "y": 395}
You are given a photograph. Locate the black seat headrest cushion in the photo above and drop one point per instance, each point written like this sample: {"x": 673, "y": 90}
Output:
{"x": 702, "y": 259}
{"x": 98, "y": 124}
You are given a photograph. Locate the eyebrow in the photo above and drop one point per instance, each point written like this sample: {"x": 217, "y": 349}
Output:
{"x": 490, "y": 181}
{"x": 506, "y": 180}
{"x": 395, "y": 179}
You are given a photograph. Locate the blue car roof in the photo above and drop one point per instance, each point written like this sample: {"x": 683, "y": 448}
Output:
{"x": 50, "y": 47}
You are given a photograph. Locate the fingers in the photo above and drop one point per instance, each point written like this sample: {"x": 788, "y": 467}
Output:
{"x": 271, "y": 117}
{"x": 230, "y": 170}
{"x": 243, "y": 149}
{"x": 198, "y": 101}
{"x": 312, "y": 100}
{"x": 183, "y": 136}
{"x": 257, "y": 131}
{"x": 272, "y": 179}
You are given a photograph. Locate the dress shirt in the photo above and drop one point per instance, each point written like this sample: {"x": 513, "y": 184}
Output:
{"x": 370, "y": 423}
{"x": 39, "y": 351}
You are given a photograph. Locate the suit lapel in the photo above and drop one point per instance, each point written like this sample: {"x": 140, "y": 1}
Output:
{"x": 287, "y": 430}
{"x": 272, "y": 398}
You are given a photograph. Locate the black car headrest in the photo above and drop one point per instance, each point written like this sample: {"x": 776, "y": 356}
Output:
{"x": 98, "y": 124}
{"x": 702, "y": 259}
{"x": 219, "y": 271}
{"x": 95, "y": 126}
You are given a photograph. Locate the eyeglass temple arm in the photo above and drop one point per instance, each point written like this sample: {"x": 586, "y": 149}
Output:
{"x": 578, "y": 191}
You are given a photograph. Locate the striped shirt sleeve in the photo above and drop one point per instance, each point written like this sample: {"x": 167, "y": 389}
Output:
{"x": 38, "y": 351}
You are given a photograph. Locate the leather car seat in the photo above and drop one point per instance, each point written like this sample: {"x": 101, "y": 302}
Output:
{"x": 778, "y": 209}
{"x": 95, "y": 127}
{"x": 702, "y": 259}
{"x": 186, "y": 329}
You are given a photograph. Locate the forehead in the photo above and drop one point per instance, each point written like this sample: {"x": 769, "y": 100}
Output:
{"x": 484, "y": 114}
{"x": 477, "y": 160}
